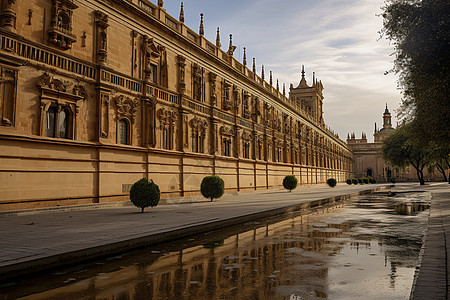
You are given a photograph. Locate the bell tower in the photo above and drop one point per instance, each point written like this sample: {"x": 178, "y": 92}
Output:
{"x": 308, "y": 98}
{"x": 387, "y": 123}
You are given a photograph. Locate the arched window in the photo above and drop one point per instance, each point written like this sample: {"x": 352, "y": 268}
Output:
{"x": 123, "y": 132}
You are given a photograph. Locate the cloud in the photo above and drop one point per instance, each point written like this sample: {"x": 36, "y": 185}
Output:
{"x": 336, "y": 39}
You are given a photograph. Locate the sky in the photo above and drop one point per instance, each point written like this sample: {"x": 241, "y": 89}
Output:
{"x": 339, "y": 40}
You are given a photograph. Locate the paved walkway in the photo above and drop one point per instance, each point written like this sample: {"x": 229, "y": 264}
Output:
{"x": 432, "y": 279}
{"x": 49, "y": 238}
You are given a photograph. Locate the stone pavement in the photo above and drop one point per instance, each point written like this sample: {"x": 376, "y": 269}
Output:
{"x": 432, "y": 278}
{"x": 44, "y": 239}
{"x": 31, "y": 242}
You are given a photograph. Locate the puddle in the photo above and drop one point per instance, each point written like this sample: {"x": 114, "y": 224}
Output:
{"x": 365, "y": 248}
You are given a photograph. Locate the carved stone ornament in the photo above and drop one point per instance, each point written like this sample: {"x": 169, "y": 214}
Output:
{"x": 212, "y": 80}
{"x": 246, "y": 136}
{"x": 8, "y": 15}
{"x": 60, "y": 31}
{"x": 246, "y": 110}
{"x": 199, "y": 125}
{"x": 181, "y": 74}
{"x": 151, "y": 51}
{"x": 227, "y": 130}
{"x": 197, "y": 82}
{"x": 101, "y": 20}
{"x": 127, "y": 107}
{"x": 51, "y": 83}
{"x": 227, "y": 104}
{"x": 167, "y": 116}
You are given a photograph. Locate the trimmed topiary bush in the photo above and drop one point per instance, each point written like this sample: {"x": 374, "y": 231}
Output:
{"x": 144, "y": 193}
{"x": 371, "y": 180}
{"x": 331, "y": 182}
{"x": 366, "y": 180}
{"x": 355, "y": 181}
{"x": 360, "y": 181}
{"x": 374, "y": 181}
{"x": 212, "y": 187}
{"x": 290, "y": 182}
{"x": 349, "y": 181}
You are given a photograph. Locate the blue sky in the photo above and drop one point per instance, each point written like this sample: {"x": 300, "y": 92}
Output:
{"x": 336, "y": 39}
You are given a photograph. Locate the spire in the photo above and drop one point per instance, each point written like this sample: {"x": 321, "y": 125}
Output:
{"x": 201, "y": 30}
{"x": 284, "y": 89}
{"x": 182, "y": 13}
{"x": 303, "y": 83}
{"x": 278, "y": 86}
{"x": 231, "y": 48}
{"x": 270, "y": 79}
{"x": 218, "y": 45}
{"x": 254, "y": 66}
{"x": 262, "y": 72}
{"x": 160, "y": 3}
{"x": 245, "y": 58}
{"x": 386, "y": 111}
{"x": 314, "y": 78}
{"x": 375, "y": 127}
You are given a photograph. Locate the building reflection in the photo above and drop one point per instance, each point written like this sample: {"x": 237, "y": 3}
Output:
{"x": 266, "y": 262}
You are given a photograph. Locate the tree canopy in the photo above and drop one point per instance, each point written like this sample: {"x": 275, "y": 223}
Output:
{"x": 420, "y": 33}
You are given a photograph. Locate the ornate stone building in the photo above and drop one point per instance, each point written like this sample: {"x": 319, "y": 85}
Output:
{"x": 368, "y": 160}
{"x": 97, "y": 94}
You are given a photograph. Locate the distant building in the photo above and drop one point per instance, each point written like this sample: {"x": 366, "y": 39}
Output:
{"x": 368, "y": 160}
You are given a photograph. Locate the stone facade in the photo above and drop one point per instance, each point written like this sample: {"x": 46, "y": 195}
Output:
{"x": 97, "y": 94}
{"x": 368, "y": 160}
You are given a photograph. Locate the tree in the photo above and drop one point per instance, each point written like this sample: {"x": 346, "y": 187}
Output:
{"x": 419, "y": 31}
{"x": 212, "y": 187}
{"x": 144, "y": 193}
{"x": 290, "y": 182}
{"x": 440, "y": 155}
{"x": 402, "y": 148}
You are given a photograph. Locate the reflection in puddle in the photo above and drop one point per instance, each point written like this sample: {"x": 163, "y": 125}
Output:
{"x": 365, "y": 248}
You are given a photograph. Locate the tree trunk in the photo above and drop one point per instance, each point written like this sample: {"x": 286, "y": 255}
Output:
{"x": 442, "y": 170}
{"x": 142, "y": 209}
{"x": 212, "y": 199}
{"x": 420, "y": 176}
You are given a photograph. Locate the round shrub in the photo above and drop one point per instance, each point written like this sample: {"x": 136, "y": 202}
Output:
{"x": 360, "y": 181}
{"x": 212, "y": 187}
{"x": 355, "y": 181}
{"x": 366, "y": 180}
{"x": 371, "y": 180}
{"x": 290, "y": 182}
{"x": 349, "y": 181}
{"x": 331, "y": 182}
{"x": 374, "y": 181}
{"x": 144, "y": 193}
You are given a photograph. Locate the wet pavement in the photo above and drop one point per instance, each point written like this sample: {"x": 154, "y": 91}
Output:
{"x": 364, "y": 248}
